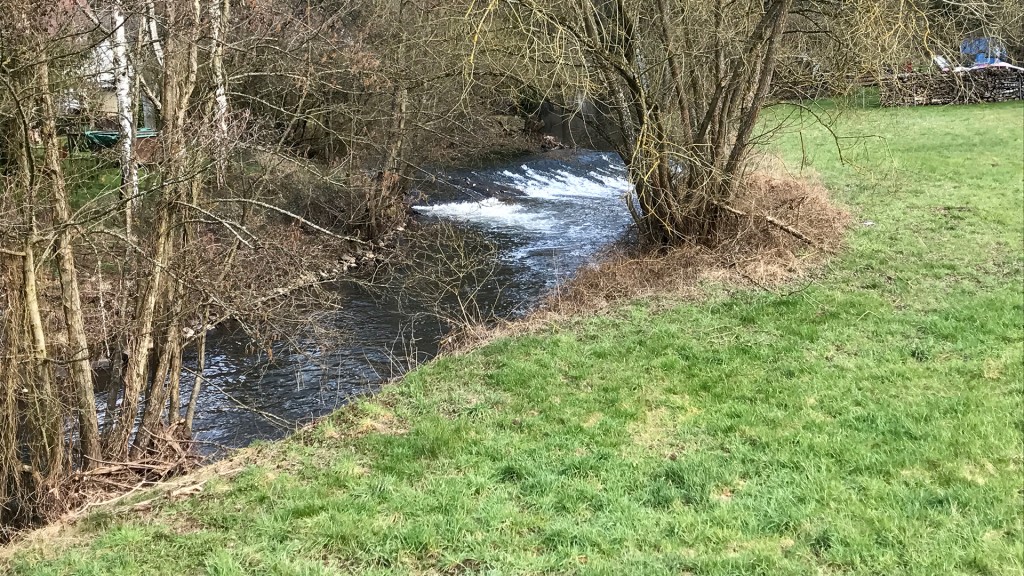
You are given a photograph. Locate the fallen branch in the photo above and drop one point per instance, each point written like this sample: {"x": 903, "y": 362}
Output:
{"x": 292, "y": 215}
{"x": 187, "y": 490}
{"x": 125, "y": 467}
{"x": 68, "y": 518}
{"x": 774, "y": 222}
{"x": 170, "y": 489}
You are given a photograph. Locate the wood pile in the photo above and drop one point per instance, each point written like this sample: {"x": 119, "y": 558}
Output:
{"x": 988, "y": 84}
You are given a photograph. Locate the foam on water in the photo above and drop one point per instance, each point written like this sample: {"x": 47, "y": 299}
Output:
{"x": 489, "y": 211}
{"x": 562, "y": 184}
{"x": 560, "y": 199}
{"x": 616, "y": 183}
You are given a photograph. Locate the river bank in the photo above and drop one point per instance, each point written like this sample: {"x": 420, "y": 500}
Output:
{"x": 307, "y": 313}
{"x": 866, "y": 422}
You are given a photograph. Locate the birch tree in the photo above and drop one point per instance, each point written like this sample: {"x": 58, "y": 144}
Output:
{"x": 125, "y": 115}
{"x": 220, "y": 16}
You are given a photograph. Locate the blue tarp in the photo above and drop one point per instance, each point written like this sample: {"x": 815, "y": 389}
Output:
{"x": 983, "y": 51}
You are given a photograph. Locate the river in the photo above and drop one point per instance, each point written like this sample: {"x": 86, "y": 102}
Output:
{"x": 546, "y": 215}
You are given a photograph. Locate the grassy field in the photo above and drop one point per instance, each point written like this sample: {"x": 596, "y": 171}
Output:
{"x": 868, "y": 423}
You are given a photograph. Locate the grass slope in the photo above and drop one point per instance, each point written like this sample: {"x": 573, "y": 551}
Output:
{"x": 869, "y": 423}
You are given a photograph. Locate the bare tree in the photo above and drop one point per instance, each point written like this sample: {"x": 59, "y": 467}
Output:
{"x": 682, "y": 83}
{"x": 35, "y": 456}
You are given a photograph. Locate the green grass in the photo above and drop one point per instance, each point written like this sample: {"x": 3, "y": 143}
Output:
{"x": 94, "y": 179}
{"x": 870, "y": 423}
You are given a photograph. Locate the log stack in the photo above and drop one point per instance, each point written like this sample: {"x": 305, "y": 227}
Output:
{"x": 984, "y": 84}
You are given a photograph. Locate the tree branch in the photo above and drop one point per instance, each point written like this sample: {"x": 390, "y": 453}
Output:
{"x": 291, "y": 215}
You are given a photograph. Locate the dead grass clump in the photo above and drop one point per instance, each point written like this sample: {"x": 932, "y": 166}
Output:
{"x": 752, "y": 250}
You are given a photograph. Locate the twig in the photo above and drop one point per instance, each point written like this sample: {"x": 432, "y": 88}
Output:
{"x": 81, "y": 512}
{"x": 292, "y": 215}
{"x": 123, "y": 466}
{"x": 302, "y": 283}
{"x": 774, "y": 222}
{"x": 273, "y": 418}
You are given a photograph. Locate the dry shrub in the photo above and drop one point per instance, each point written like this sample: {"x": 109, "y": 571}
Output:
{"x": 347, "y": 199}
{"x": 751, "y": 250}
{"x": 368, "y": 206}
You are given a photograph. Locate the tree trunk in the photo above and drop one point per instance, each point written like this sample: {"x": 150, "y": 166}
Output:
{"x": 47, "y": 446}
{"x": 180, "y": 71}
{"x": 219, "y": 18}
{"x": 11, "y": 382}
{"x": 154, "y": 34}
{"x": 129, "y": 191}
{"x": 140, "y": 342}
{"x": 197, "y": 383}
{"x": 156, "y": 397}
{"x": 80, "y": 370}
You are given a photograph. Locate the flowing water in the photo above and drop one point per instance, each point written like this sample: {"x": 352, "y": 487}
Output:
{"x": 547, "y": 215}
